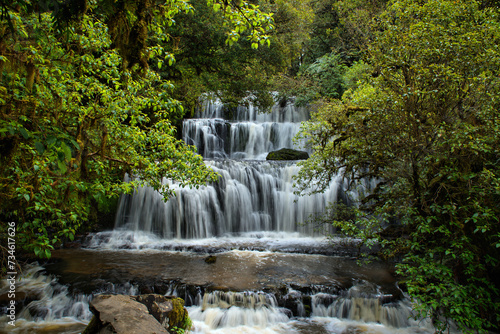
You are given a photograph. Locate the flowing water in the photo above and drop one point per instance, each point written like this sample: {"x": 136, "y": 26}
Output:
{"x": 273, "y": 272}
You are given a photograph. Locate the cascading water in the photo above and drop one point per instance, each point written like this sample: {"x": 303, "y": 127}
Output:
{"x": 251, "y": 195}
{"x": 273, "y": 273}
{"x": 51, "y": 307}
{"x": 243, "y": 133}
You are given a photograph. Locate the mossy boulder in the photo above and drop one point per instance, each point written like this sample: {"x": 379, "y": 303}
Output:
{"x": 151, "y": 313}
{"x": 287, "y": 154}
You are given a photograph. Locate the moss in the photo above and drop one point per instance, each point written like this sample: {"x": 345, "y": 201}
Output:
{"x": 178, "y": 317}
{"x": 210, "y": 259}
{"x": 287, "y": 154}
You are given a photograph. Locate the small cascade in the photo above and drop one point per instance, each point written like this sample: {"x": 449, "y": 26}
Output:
{"x": 218, "y": 139}
{"x": 243, "y": 133}
{"x": 210, "y": 136}
{"x": 364, "y": 302}
{"x": 361, "y": 307}
{"x": 279, "y": 113}
{"x": 220, "y": 309}
{"x": 50, "y": 306}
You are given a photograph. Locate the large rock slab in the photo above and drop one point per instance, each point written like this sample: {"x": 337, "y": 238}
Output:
{"x": 86, "y": 271}
{"x": 145, "y": 314}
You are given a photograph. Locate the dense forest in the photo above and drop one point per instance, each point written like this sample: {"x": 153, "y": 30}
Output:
{"x": 406, "y": 93}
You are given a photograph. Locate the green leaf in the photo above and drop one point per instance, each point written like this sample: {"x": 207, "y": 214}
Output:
{"x": 39, "y": 147}
{"x": 24, "y": 132}
{"x": 62, "y": 166}
{"x": 75, "y": 144}
{"x": 27, "y": 197}
{"x": 66, "y": 151}
{"x": 51, "y": 140}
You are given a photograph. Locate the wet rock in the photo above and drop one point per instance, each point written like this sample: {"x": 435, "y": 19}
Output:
{"x": 122, "y": 315}
{"x": 287, "y": 154}
{"x": 137, "y": 314}
{"x": 73, "y": 244}
{"x": 20, "y": 299}
{"x": 144, "y": 290}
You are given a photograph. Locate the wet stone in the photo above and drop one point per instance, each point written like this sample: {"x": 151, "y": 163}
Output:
{"x": 122, "y": 315}
{"x": 149, "y": 313}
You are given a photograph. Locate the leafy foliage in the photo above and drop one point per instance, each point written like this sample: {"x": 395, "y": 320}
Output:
{"x": 80, "y": 107}
{"x": 325, "y": 78}
{"x": 204, "y": 62}
{"x": 337, "y": 38}
{"x": 425, "y": 127}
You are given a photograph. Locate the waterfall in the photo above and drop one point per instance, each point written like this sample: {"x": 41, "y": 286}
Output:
{"x": 232, "y": 309}
{"x": 47, "y": 306}
{"x": 251, "y": 195}
{"x": 214, "y": 108}
{"x": 352, "y": 309}
{"x": 364, "y": 302}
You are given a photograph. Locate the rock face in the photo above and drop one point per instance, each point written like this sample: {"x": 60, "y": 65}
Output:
{"x": 146, "y": 314}
{"x": 287, "y": 154}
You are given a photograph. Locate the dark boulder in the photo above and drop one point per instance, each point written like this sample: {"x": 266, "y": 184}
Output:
{"x": 287, "y": 154}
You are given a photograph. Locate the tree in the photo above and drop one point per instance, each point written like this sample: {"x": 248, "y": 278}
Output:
{"x": 337, "y": 38}
{"x": 425, "y": 126}
{"x": 204, "y": 62}
{"x": 81, "y": 106}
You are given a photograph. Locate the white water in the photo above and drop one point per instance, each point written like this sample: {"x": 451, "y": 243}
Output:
{"x": 54, "y": 308}
{"x": 258, "y": 312}
{"x": 360, "y": 309}
{"x": 250, "y": 196}
{"x": 248, "y": 134}
{"x": 289, "y": 113}
{"x": 284, "y": 242}
{"x": 216, "y": 138}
